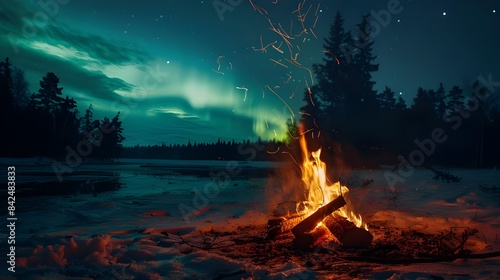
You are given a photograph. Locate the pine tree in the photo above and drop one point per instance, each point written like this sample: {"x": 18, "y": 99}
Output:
{"x": 86, "y": 120}
{"x": 6, "y": 102}
{"x": 423, "y": 117}
{"x": 67, "y": 123}
{"x": 331, "y": 73}
{"x": 364, "y": 61}
{"x": 438, "y": 99}
{"x": 455, "y": 99}
{"x": 111, "y": 145}
{"x": 310, "y": 113}
{"x": 20, "y": 88}
{"x": 387, "y": 100}
{"x": 400, "y": 104}
{"x": 48, "y": 97}
{"x": 6, "y": 86}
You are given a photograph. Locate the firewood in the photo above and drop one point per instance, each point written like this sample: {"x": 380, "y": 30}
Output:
{"x": 312, "y": 221}
{"x": 310, "y": 239}
{"x": 348, "y": 234}
{"x": 277, "y": 226}
{"x": 307, "y": 240}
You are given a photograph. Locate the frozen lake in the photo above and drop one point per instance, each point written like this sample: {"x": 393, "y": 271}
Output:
{"x": 122, "y": 221}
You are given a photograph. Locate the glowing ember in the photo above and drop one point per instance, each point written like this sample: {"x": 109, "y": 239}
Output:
{"x": 320, "y": 190}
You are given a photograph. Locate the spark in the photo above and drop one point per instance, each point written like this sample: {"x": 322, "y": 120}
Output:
{"x": 257, "y": 8}
{"x": 275, "y": 135}
{"x": 317, "y": 9}
{"x": 319, "y": 134}
{"x": 230, "y": 66}
{"x": 246, "y": 91}
{"x": 312, "y": 32}
{"x": 262, "y": 48}
{"x": 279, "y": 63}
{"x": 291, "y": 96}
{"x": 310, "y": 95}
{"x": 314, "y": 121}
{"x": 277, "y": 95}
{"x": 304, "y": 113}
{"x": 315, "y": 21}
{"x": 293, "y": 137}
{"x": 274, "y": 152}
{"x": 278, "y": 47}
{"x": 302, "y": 32}
{"x": 307, "y": 131}
{"x": 334, "y": 56}
{"x": 218, "y": 62}
{"x": 286, "y": 38}
{"x": 289, "y": 77}
{"x": 218, "y": 72}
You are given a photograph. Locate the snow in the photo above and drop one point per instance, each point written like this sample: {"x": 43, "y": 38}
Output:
{"x": 138, "y": 231}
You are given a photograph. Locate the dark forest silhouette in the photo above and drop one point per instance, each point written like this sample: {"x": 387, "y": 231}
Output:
{"x": 361, "y": 127}
{"x": 47, "y": 124}
{"x": 355, "y": 125}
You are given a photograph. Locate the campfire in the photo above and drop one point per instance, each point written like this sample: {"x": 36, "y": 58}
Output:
{"x": 326, "y": 213}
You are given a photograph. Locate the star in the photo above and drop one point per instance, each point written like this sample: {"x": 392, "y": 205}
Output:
{"x": 444, "y": 13}
{"x": 494, "y": 11}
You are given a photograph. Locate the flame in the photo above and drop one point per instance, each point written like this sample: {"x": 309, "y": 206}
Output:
{"x": 319, "y": 189}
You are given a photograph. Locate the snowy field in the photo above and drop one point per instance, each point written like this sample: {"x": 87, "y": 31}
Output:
{"x": 170, "y": 220}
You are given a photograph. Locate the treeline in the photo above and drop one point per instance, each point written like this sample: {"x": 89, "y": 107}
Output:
{"x": 221, "y": 150}
{"x": 361, "y": 127}
{"x": 47, "y": 124}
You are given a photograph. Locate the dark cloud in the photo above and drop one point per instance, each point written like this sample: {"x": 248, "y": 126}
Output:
{"x": 91, "y": 83}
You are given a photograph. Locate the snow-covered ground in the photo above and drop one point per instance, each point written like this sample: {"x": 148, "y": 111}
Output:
{"x": 170, "y": 220}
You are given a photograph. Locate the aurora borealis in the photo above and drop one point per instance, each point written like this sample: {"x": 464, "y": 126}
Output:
{"x": 178, "y": 71}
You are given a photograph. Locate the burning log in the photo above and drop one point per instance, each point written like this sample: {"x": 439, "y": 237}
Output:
{"x": 282, "y": 225}
{"x": 347, "y": 232}
{"x": 287, "y": 215}
{"x": 306, "y": 240}
{"x": 312, "y": 221}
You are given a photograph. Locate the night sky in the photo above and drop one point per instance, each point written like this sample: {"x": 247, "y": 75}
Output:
{"x": 180, "y": 70}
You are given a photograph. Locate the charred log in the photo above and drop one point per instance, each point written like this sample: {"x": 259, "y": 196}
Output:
{"x": 312, "y": 221}
{"x": 307, "y": 240}
{"x": 282, "y": 225}
{"x": 348, "y": 234}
